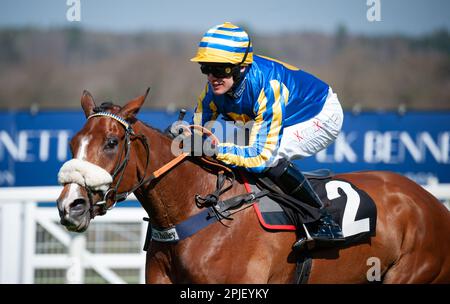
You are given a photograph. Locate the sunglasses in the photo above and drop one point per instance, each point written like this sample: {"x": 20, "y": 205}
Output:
{"x": 218, "y": 71}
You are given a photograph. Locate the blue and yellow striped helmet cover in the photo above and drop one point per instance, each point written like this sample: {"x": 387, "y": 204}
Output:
{"x": 224, "y": 43}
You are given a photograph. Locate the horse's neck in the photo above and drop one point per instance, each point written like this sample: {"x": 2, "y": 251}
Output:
{"x": 170, "y": 199}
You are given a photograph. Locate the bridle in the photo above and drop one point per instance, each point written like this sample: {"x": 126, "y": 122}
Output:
{"x": 111, "y": 194}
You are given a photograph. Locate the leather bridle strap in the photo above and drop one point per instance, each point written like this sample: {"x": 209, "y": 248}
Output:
{"x": 120, "y": 168}
{"x": 203, "y": 130}
{"x": 111, "y": 193}
{"x": 167, "y": 167}
{"x": 122, "y": 196}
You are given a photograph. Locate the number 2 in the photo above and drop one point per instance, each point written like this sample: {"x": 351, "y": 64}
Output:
{"x": 349, "y": 225}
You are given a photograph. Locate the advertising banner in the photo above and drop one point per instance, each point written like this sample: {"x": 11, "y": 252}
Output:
{"x": 417, "y": 144}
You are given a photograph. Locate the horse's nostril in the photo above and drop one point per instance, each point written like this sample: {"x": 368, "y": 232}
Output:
{"x": 78, "y": 206}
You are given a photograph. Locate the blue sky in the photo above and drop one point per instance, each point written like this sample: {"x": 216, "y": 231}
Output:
{"x": 410, "y": 17}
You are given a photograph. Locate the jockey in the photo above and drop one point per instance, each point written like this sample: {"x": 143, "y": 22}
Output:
{"x": 295, "y": 115}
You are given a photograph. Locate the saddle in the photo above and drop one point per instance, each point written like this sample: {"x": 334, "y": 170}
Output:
{"x": 352, "y": 208}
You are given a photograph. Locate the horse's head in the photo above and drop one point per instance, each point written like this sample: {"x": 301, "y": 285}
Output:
{"x": 98, "y": 170}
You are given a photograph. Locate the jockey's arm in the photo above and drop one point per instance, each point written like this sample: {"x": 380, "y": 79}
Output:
{"x": 264, "y": 137}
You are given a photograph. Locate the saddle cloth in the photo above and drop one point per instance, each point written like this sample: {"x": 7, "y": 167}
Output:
{"x": 352, "y": 208}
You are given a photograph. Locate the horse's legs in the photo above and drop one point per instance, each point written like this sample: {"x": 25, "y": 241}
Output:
{"x": 155, "y": 271}
{"x": 415, "y": 269}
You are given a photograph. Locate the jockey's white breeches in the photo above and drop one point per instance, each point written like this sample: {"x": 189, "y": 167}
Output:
{"x": 311, "y": 136}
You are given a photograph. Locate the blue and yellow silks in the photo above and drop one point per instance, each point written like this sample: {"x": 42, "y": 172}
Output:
{"x": 275, "y": 95}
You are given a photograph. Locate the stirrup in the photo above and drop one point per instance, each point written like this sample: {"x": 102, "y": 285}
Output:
{"x": 309, "y": 242}
{"x": 304, "y": 242}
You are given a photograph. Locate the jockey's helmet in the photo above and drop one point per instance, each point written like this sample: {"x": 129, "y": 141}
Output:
{"x": 225, "y": 43}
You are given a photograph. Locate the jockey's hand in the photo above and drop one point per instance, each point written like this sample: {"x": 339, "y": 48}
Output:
{"x": 175, "y": 129}
{"x": 195, "y": 145}
{"x": 209, "y": 148}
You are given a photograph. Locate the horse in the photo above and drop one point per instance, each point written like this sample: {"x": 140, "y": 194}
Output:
{"x": 411, "y": 243}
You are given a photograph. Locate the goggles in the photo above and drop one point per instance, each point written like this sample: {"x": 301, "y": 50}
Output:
{"x": 224, "y": 70}
{"x": 218, "y": 71}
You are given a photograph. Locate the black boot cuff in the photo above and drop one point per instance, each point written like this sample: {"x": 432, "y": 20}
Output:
{"x": 274, "y": 173}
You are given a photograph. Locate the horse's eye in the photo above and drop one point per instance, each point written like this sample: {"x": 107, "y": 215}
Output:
{"x": 111, "y": 143}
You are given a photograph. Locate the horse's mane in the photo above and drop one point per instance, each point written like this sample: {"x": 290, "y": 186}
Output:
{"x": 110, "y": 107}
{"x": 156, "y": 130}
{"x": 107, "y": 106}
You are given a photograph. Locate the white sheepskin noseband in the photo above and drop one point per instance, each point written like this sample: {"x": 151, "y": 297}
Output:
{"x": 85, "y": 174}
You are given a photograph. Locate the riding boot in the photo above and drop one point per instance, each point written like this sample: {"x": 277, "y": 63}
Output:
{"x": 323, "y": 233}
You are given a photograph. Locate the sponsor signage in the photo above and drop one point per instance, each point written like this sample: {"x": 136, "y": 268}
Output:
{"x": 417, "y": 144}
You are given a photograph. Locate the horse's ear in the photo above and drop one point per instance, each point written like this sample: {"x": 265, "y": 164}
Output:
{"x": 133, "y": 106}
{"x": 87, "y": 103}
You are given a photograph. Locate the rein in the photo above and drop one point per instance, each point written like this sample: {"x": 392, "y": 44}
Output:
{"x": 215, "y": 210}
{"x": 111, "y": 194}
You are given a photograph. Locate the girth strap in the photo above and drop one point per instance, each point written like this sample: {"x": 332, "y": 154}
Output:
{"x": 182, "y": 230}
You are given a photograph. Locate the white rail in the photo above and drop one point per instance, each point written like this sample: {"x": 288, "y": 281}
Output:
{"x": 20, "y": 217}
{"x": 39, "y": 194}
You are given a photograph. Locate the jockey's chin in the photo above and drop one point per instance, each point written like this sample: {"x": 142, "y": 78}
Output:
{"x": 220, "y": 85}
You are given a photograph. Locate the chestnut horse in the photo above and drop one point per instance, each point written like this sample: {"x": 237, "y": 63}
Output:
{"x": 411, "y": 245}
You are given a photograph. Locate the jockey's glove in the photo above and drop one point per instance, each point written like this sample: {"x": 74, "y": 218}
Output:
{"x": 175, "y": 129}
{"x": 196, "y": 145}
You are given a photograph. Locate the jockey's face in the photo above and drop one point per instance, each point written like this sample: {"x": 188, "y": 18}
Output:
{"x": 220, "y": 85}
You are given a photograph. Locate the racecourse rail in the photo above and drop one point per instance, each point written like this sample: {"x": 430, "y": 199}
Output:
{"x": 35, "y": 248}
